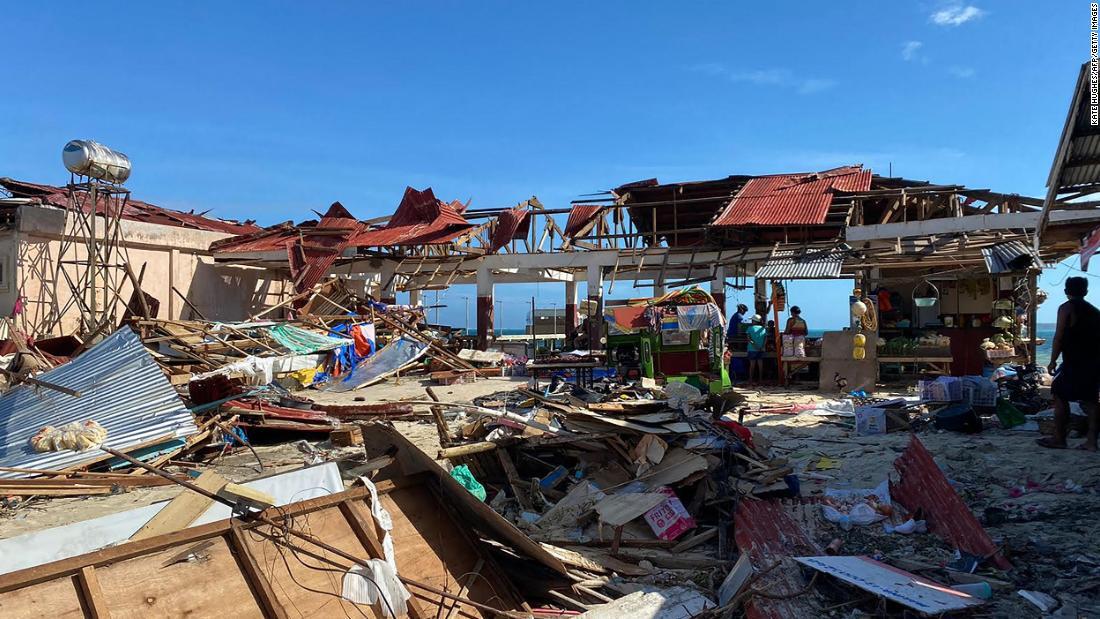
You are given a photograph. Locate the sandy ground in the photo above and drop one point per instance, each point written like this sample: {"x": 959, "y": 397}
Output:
{"x": 1018, "y": 488}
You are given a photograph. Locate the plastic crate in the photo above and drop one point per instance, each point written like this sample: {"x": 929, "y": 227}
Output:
{"x": 978, "y": 391}
{"x": 943, "y": 389}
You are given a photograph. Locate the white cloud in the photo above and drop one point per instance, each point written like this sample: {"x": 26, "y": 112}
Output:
{"x": 811, "y": 86}
{"x": 961, "y": 72}
{"x": 956, "y": 15}
{"x": 780, "y": 78}
{"x": 910, "y": 49}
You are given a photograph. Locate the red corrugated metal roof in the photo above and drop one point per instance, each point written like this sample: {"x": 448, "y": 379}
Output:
{"x": 421, "y": 207}
{"x": 791, "y": 199}
{"x": 420, "y": 219}
{"x": 311, "y": 255}
{"x": 511, "y": 224}
{"x": 923, "y": 486}
{"x": 580, "y": 216}
{"x": 135, "y": 210}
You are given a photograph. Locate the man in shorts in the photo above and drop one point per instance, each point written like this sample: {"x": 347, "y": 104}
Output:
{"x": 1077, "y": 341}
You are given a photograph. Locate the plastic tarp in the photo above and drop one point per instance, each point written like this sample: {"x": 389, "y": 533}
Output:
{"x": 392, "y": 357}
{"x": 302, "y": 341}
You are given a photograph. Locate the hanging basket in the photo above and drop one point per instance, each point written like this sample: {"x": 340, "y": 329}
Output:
{"x": 926, "y": 301}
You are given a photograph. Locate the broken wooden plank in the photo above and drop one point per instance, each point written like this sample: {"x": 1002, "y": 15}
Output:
{"x": 183, "y": 510}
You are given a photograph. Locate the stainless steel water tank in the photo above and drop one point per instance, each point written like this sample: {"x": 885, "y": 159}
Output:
{"x": 88, "y": 158}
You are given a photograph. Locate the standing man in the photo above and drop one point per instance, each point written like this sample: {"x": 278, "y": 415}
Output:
{"x": 731, "y": 334}
{"x": 1077, "y": 341}
{"x": 758, "y": 337}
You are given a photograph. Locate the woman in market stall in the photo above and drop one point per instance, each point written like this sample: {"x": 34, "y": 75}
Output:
{"x": 796, "y": 325}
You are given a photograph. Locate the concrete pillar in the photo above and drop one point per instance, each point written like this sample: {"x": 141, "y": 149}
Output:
{"x": 414, "y": 296}
{"x": 595, "y": 307}
{"x": 659, "y": 290}
{"x": 760, "y": 296}
{"x": 387, "y": 292}
{"x": 571, "y": 320}
{"x": 484, "y": 308}
{"x": 718, "y": 289}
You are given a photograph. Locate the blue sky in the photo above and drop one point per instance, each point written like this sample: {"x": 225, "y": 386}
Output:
{"x": 265, "y": 111}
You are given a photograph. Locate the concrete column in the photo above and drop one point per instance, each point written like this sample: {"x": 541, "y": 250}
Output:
{"x": 571, "y": 321}
{"x": 718, "y": 289}
{"x": 484, "y": 308}
{"x": 659, "y": 290}
{"x": 387, "y": 285}
{"x": 414, "y": 296}
{"x": 760, "y": 296}
{"x": 595, "y": 305}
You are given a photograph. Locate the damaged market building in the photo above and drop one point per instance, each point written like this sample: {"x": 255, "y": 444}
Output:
{"x": 246, "y": 421}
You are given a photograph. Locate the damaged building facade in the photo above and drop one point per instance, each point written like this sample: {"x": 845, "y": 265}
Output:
{"x": 44, "y": 254}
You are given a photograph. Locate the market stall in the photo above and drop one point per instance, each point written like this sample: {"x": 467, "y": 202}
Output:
{"x": 679, "y": 334}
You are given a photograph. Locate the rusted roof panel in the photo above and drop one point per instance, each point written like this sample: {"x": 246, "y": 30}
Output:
{"x": 511, "y": 224}
{"x": 923, "y": 487}
{"x": 311, "y": 255}
{"x": 580, "y": 216}
{"x": 791, "y": 199}
{"x": 135, "y": 210}
{"x": 422, "y": 234}
{"x": 420, "y": 219}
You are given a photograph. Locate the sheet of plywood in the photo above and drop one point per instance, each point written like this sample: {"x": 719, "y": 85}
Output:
{"x": 212, "y": 586}
{"x": 429, "y": 544}
{"x": 183, "y": 510}
{"x": 54, "y": 598}
{"x": 291, "y": 576}
{"x": 619, "y": 509}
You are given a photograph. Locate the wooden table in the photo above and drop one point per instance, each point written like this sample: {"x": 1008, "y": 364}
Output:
{"x": 941, "y": 365}
{"x": 582, "y": 369}
{"x": 794, "y": 364}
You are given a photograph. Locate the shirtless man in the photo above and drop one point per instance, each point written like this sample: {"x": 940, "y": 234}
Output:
{"x": 1077, "y": 341}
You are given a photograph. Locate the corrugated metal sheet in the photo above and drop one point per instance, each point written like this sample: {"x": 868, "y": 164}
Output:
{"x": 1010, "y": 256}
{"x": 1080, "y": 142}
{"x": 922, "y": 486}
{"x": 511, "y": 224}
{"x": 120, "y": 386}
{"x": 135, "y": 210}
{"x": 792, "y": 264}
{"x": 791, "y": 199}
{"x": 580, "y": 216}
{"x": 771, "y": 532}
{"x": 420, "y": 219}
{"x": 311, "y": 255}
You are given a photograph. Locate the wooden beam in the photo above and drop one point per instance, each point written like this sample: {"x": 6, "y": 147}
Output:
{"x": 183, "y": 510}
{"x": 367, "y": 534}
{"x": 257, "y": 581}
{"x": 92, "y": 594}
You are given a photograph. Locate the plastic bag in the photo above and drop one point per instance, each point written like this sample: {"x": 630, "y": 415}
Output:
{"x": 860, "y": 514}
{"x": 75, "y": 436}
{"x": 462, "y": 475}
{"x": 682, "y": 396}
